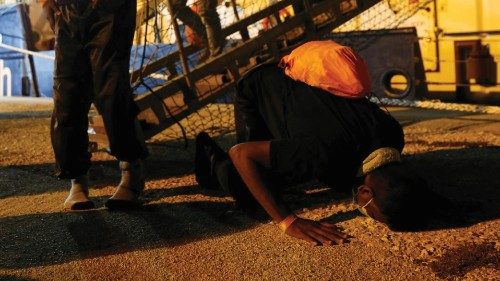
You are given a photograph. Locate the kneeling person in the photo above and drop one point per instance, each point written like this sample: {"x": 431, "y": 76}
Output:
{"x": 297, "y": 133}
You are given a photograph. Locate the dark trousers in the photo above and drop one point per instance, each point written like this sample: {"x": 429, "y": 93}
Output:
{"x": 205, "y": 22}
{"x": 92, "y": 65}
{"x": 188, "y": 17}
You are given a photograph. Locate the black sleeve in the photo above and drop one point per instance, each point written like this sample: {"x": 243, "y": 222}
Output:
{"x": 298, "y": 159}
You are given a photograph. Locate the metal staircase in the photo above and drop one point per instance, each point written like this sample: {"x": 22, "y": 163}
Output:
{"x": 184, "y": 93}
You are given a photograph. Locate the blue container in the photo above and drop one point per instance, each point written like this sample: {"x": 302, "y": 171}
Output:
{"x": 14, "y": 66}
{"x": 45, "y": 73}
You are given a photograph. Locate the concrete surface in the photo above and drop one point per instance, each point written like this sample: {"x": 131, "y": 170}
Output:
{"x": 186, "y": 233}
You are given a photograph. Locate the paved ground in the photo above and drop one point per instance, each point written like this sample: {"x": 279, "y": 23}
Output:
{"x": 184, "y": 232}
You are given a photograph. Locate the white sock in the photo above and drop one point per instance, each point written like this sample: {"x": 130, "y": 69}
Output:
{"x": 78, "y": 197}
{"x": 132, "y": 181}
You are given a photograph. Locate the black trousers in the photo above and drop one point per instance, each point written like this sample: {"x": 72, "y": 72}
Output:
{"x": 92, "y": 65}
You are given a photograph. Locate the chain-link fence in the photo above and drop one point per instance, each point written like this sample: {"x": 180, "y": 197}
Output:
{"x": 387, "y": 14}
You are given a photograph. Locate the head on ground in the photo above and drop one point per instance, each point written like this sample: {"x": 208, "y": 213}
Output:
{"x": 396, "y": 196}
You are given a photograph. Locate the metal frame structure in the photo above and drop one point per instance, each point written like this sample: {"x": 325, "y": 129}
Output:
{"x": 204, "y": 83}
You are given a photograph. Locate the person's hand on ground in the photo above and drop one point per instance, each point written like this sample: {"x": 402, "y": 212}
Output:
{"x": 316, "y": 233}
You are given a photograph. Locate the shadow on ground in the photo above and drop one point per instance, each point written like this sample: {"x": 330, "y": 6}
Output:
{"x": 40, "y": 178}
{"x": 408, "y": 116}
{"x": 44, "y": 239}
{"x": 13, "y": 278}
{"x": 167, "y": 159}
{"x": 468, "y": 177}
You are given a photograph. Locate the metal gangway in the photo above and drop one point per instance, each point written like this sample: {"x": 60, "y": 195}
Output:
{"x": 194, "y": 87}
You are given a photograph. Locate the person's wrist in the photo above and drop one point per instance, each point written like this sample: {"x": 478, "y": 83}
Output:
{"x": 286, "y": 222}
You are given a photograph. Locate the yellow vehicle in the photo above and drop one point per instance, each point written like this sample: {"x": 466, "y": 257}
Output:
{"x": 459, "y": 42}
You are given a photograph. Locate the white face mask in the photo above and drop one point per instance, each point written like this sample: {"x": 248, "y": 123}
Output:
{"x": 362, "y": 209}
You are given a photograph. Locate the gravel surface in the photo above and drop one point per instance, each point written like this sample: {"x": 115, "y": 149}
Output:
{"x": 184, "y": 232}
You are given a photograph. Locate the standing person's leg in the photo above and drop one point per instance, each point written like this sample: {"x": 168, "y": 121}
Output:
{"x": 189, "y": 18}
{"x": 72, "y": 99}
{"x": 207, "y": 9}
{"x": 113, "y": 25}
